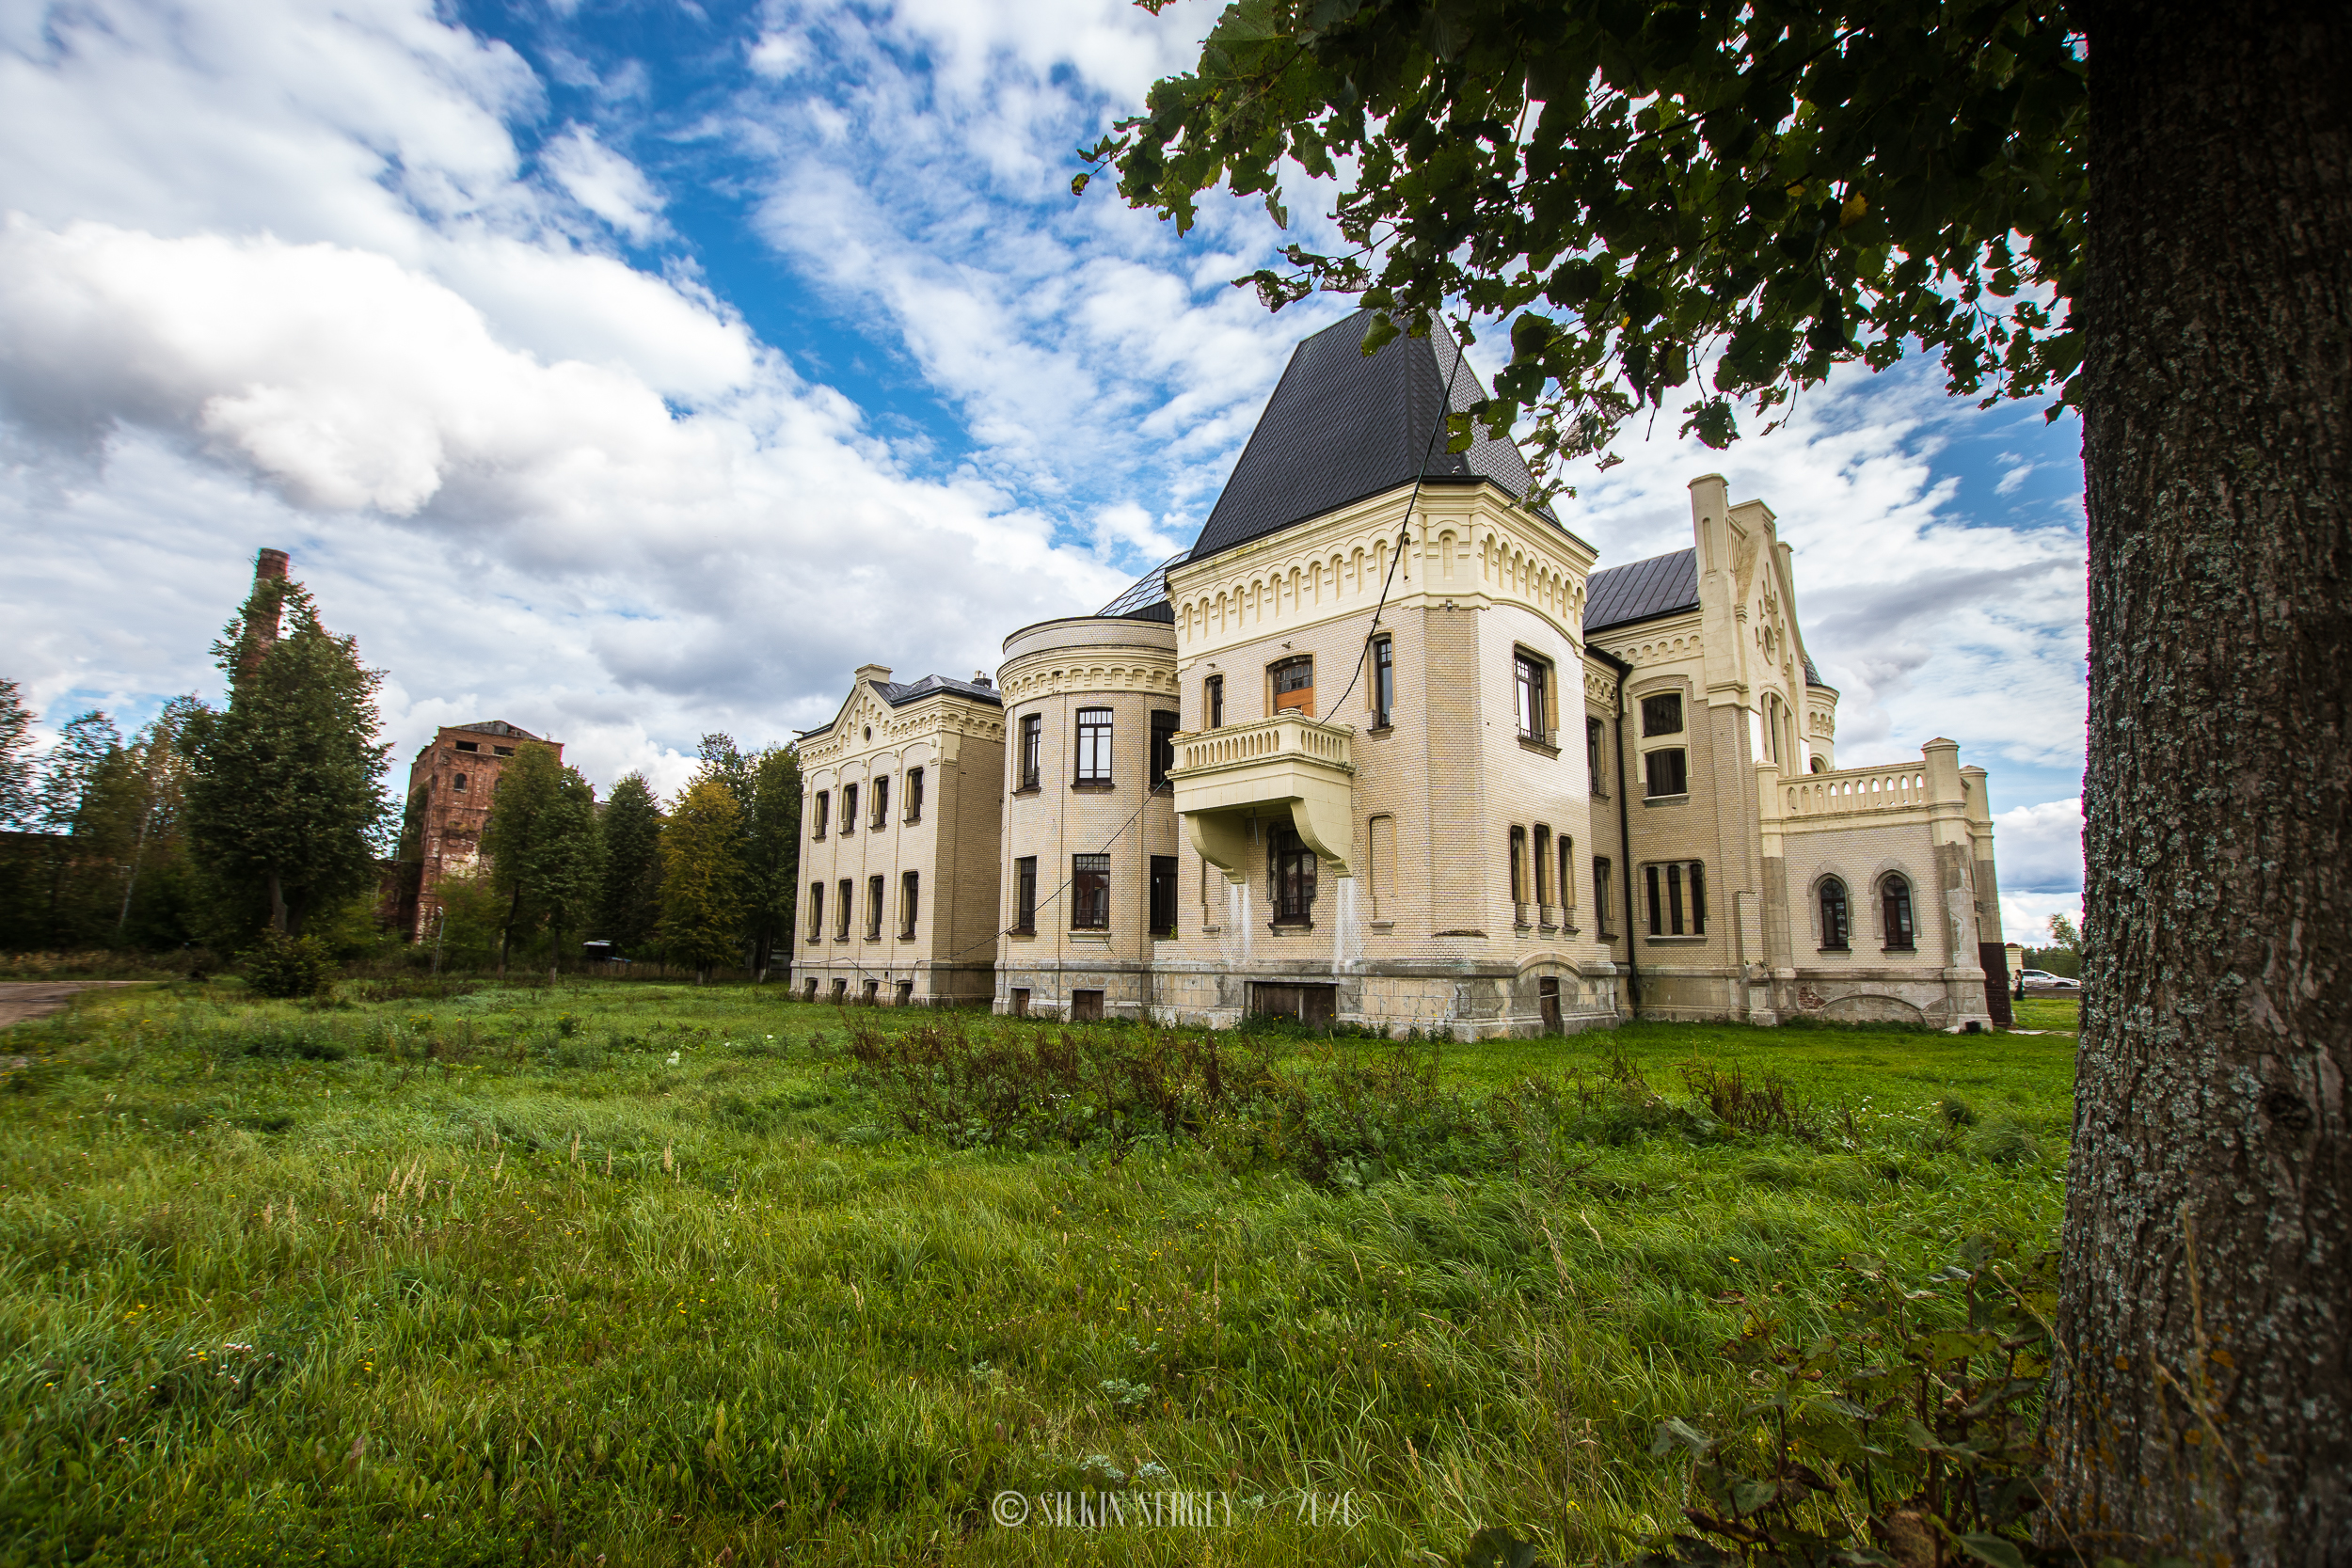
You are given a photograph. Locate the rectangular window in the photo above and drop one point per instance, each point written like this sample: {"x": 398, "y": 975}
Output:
{"x": 1518, "y": 865}
{"x": 1677, "y": 899}
{"x": 1090, "y": 892}
{"x": 909, "y": 888}
{"x": 873, "y": 908}
{"x": 881, "y": 802}
{"x": 467, "y": 746}
{"x": 1595, "y": 774}
{"x": 848, "y": 810}
{"x": 502, "y": 751}
{"x": 1094, "y": 746}
{"x": 1383, "y": 682}
{"x": 1662, "y": 714}
{"x": 914, "y": 795}
{"x": 1294, "y": 868}
{"x": 1669, "y": 773}
{"x": 1543, "y": 863}
{"x": 1294, "y": 685}
{"x": 1163, "y": 746}
{"x": 1032, "y": 748}
{"x": 1567, "y": 876}
{"x": 1532, "y": 678}
{"x": 1212, "y": 698}
{"x": 842, "y": 894}
{"x": 816, "y": 911}
{"x": 1163, "y": 896}
{"x": 1604, "y": 907}
{"x": 1024, "y": 894}
{"x": 821, "y": 815}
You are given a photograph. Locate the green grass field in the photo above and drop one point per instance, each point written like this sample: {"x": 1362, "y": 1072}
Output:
{"x": 632, "y": 1274}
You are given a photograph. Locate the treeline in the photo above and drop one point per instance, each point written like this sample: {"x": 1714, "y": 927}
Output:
{"x": 263, "y": 827}
{"x": 705, "y": 883}
{"x": 208, "y": 826}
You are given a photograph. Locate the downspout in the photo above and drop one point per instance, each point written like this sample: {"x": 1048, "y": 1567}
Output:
{"x": 1625, "y": 825}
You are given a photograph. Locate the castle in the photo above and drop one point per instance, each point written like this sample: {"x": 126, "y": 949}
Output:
{"x": 1384, "y": 748}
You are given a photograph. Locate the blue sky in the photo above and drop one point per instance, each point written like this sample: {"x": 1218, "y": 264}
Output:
{"x": 629, "y": 370}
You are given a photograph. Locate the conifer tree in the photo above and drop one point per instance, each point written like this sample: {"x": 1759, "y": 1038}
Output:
{"x": 772, "y": 853}
{"x": 629, "y": 907}
{"x": 703, "y": 878}
{"x": 285, "y": 794}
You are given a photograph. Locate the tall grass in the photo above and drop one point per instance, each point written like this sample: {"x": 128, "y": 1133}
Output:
{"x": 659, "y": 1275}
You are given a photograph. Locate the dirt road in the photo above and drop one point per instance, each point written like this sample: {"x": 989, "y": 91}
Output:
{"x": 23, "y": 999}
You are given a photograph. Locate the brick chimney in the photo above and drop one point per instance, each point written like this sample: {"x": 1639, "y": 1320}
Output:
{"x": 268, "y": 566}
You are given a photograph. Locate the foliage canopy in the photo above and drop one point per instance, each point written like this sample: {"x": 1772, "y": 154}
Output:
{"x": 1712, "y": 202}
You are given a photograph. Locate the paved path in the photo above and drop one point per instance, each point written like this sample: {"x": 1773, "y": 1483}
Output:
{"x": 20, "y": 1000}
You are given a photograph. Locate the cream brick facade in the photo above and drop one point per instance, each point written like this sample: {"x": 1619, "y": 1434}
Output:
{"x": 952, "y": 734}
{"x": 1489, "y": 843}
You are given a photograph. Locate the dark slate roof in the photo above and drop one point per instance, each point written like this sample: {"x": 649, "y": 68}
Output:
{"x": 1341, "y": 427}
{"x": 496, "y": 727}
{"x": 1642, "y": 589}
{"x": 1813, "y": 677}
{"x": 1146, "y": 598}
{"x": 899, "y": 693}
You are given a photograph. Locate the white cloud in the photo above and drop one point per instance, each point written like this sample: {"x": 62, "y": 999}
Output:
{"x": 605, "y": 183}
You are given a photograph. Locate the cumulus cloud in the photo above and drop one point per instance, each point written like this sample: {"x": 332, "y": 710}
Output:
{"x": 605, "y": 183}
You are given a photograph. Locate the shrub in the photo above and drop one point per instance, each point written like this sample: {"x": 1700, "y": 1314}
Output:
{"x": 1765, "y": 1105}
{"x": 283, "y": 966}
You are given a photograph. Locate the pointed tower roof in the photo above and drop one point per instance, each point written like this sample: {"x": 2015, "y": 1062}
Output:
{"x": 1341, "y": 427}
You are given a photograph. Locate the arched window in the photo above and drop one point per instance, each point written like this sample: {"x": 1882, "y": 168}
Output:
{"x": 1836, "y": 922}
{"x": 1894, "y": 907}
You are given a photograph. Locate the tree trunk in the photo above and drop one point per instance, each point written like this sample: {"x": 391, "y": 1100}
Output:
{"x": 506, "y": 932}
{"x": 2204, "y": 1403}
{"x": 276, "y": 904}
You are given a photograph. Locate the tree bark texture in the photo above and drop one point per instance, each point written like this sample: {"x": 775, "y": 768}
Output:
{"x": 2203, "y": 1402}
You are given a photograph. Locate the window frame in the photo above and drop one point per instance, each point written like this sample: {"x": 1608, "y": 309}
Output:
{"x": 875, "y": 887}
{"x": 1895, "y": 894}
{"x": 1284, "y": 699}
{"x": 1024, "y": 896}
{"x": 1291, "y": 877}
{"x": 1164, "y": 724}
{"x": 1836, "y": 930}
{"x": 914, "y": 795}
{"x": 848, "y": 810}
{"x": 1213, "y": 701}
{"x": 909, "y": 897}
{"x": 1680, "y": 724}
{"x": 1383, "y": 682}
{"x": 1603, "y": 903}
{"x": 820, "y": 817}
{"x": 1533, "y": 696}
{"x": 1683, "y": 886}
{"x": 1031, "y": 761}
{"x": 881, "y": 807}
{"x": 1566, "y": 851}
{"x": 1160, "y": 913}
{"x": 1595, "y": 757}
{"x": 1651, "y": 761}
{"x": 817, "y": 911}
{"x": 845, "y": 896}
{"x": 1539, "y": 859}
{"x": 1090, "y": 892}
{"x": 1094, "y": 735}
{"x": 1517, "y": 841}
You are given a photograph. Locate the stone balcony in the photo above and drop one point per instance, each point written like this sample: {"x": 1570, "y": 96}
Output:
{"x": 1928, "y": 788}
{"x": 1233, "y": 781}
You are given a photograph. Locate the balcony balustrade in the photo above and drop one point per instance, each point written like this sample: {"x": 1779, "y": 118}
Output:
{"x": 1232, "y": 781}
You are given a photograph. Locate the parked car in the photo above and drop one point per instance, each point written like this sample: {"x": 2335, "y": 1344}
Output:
{"x": 2043, "y": 978}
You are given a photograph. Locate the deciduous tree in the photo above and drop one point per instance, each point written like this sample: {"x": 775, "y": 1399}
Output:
{"x": 543, "y": 849}
{"x": 772, "y": 853}
{"x": 2142, "y": 211}
{"x": 703, "y": 878}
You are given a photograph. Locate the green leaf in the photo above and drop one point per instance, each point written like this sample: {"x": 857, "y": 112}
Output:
{"x": 1992, "y": 1550}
